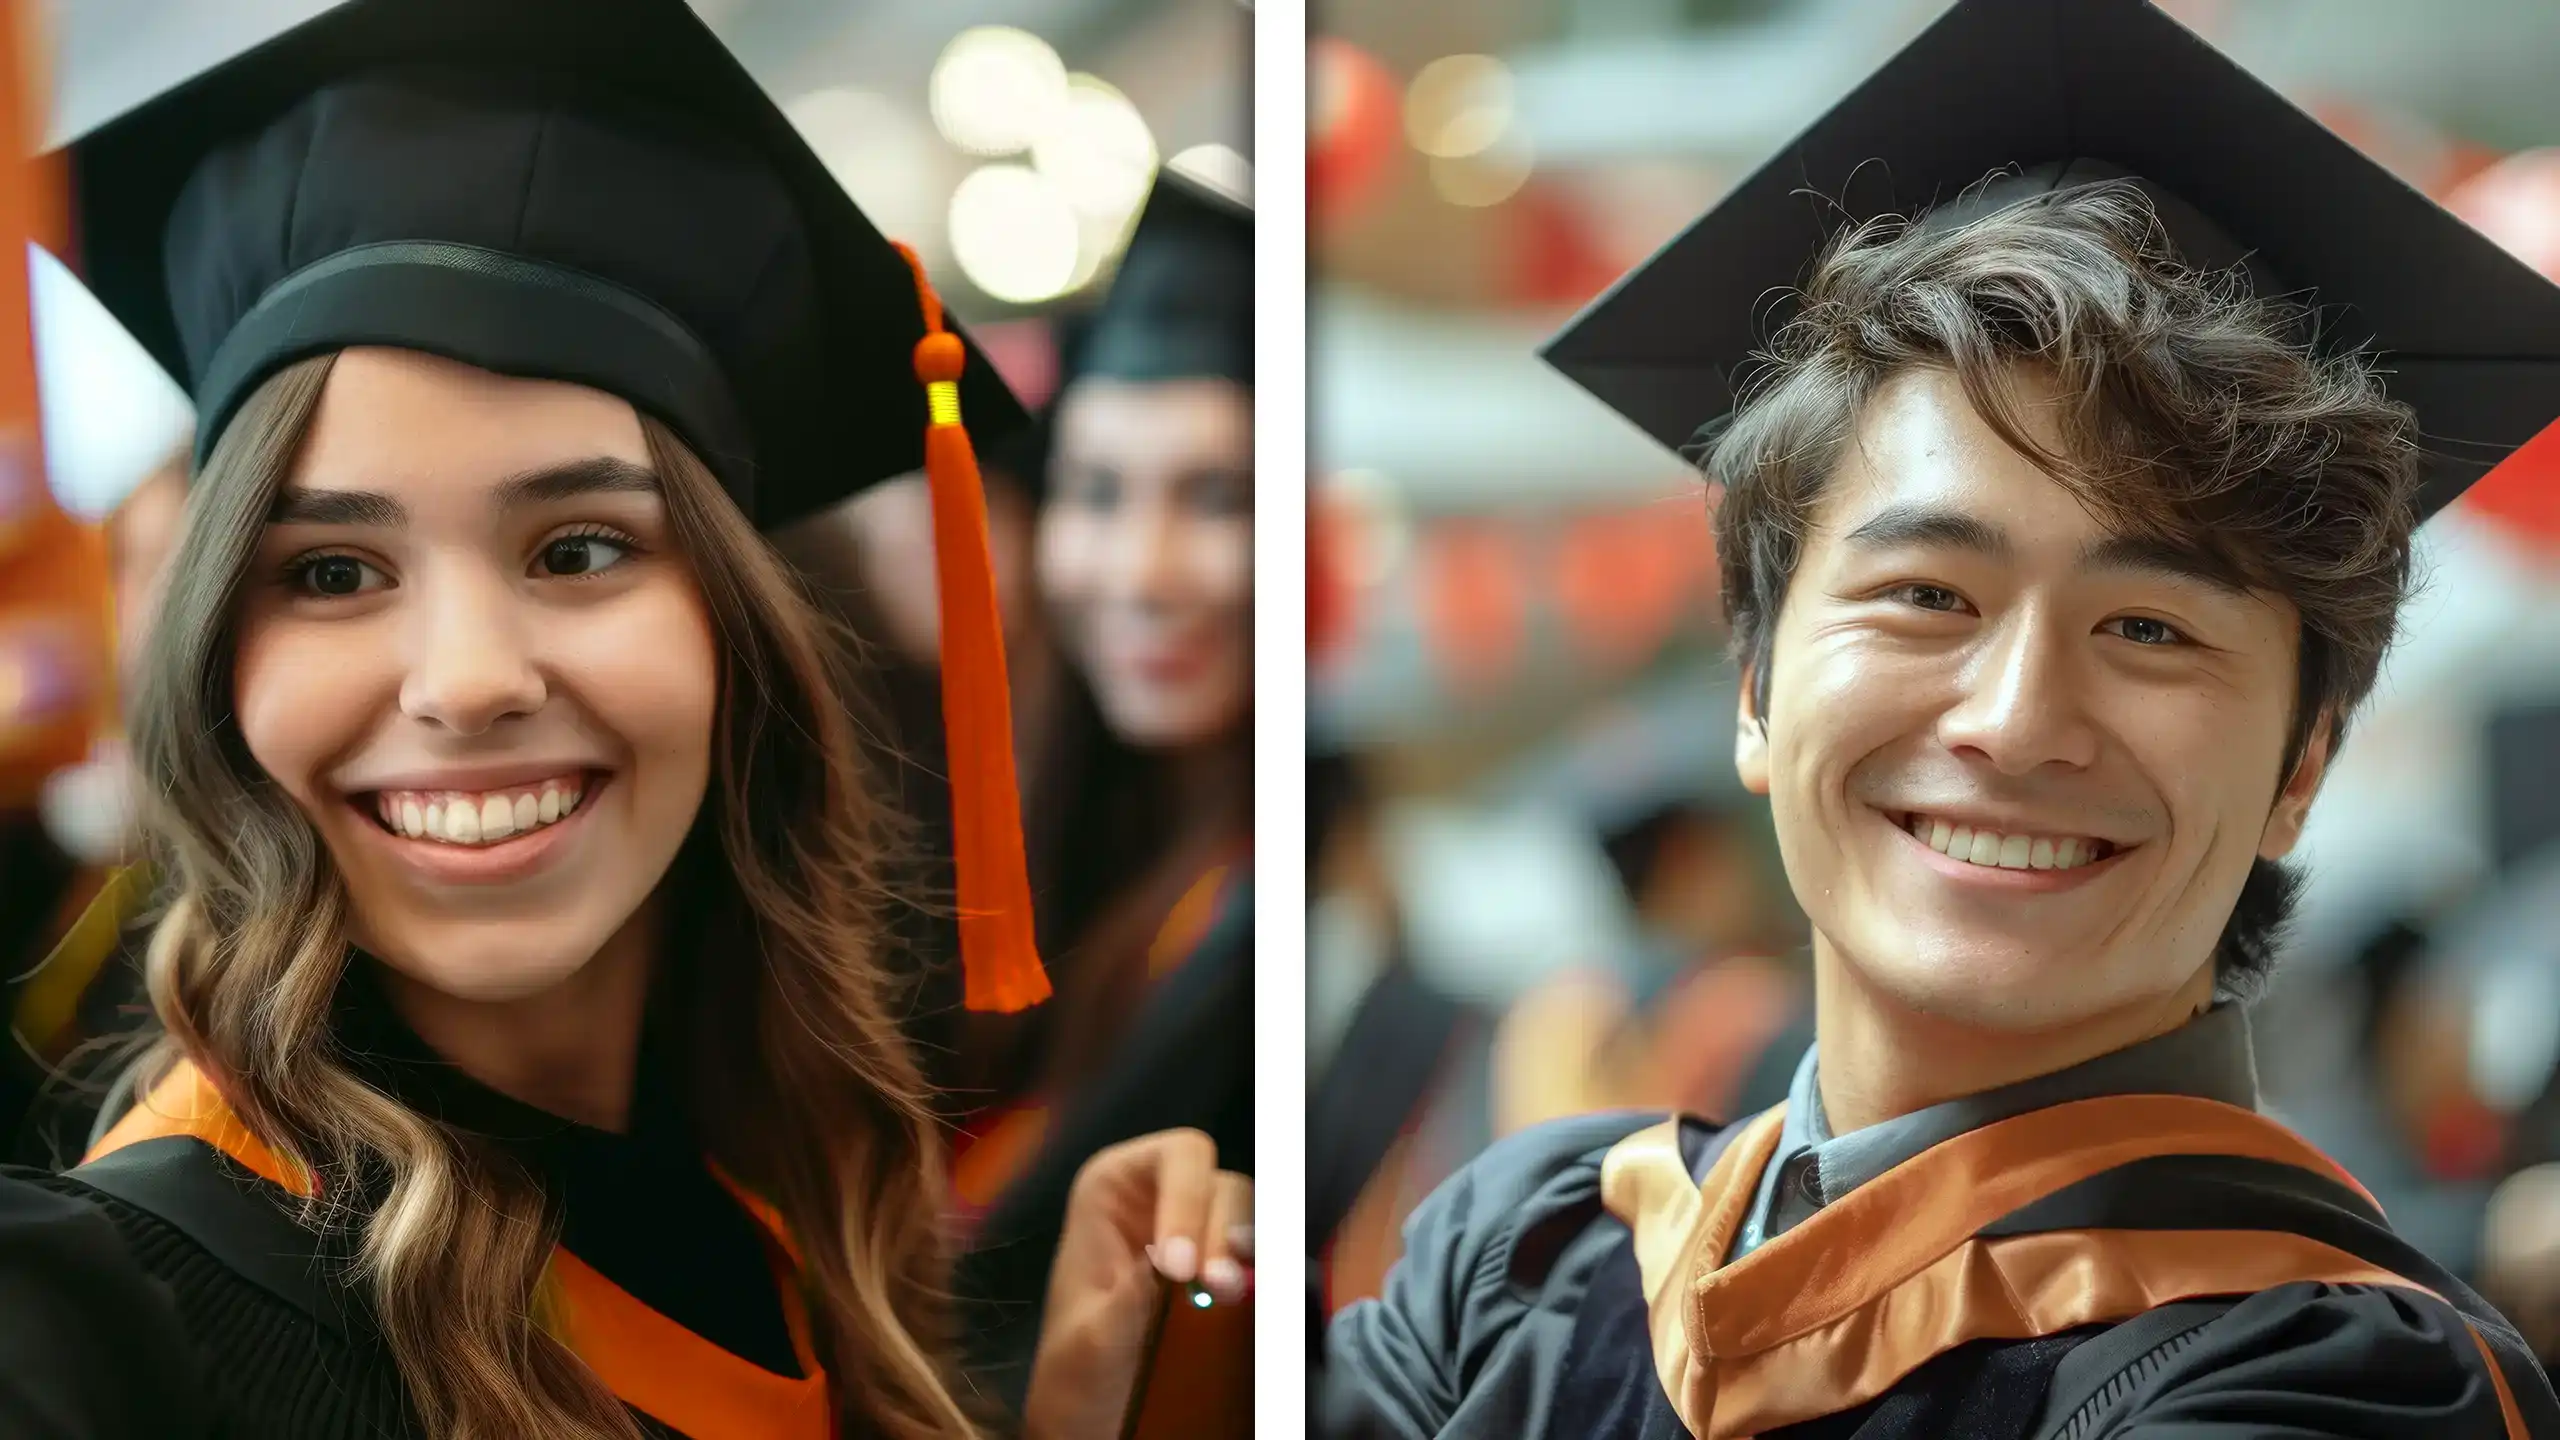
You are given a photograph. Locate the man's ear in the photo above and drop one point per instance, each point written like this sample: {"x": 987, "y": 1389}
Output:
{"x": 1750, "y": 738}
{"x": 2293, "y": 802}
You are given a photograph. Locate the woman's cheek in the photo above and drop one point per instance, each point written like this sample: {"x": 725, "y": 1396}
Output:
{"x": 1224, "y": 551}
{"x": 294, "y": 722}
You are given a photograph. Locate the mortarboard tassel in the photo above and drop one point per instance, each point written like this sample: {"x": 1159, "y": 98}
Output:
{"x": 997, "y": 954}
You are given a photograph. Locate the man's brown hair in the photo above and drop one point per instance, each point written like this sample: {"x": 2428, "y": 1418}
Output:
{"x": 2192, "y": 412}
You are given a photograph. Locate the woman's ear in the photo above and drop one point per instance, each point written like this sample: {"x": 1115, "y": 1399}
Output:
{"x": 1750, "y": 738}
{"x": 2293, "y": 802}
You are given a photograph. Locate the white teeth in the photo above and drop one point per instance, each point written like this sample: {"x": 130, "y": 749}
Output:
{"x": 2006, "y": 852}
{"x": 461, "y": 819}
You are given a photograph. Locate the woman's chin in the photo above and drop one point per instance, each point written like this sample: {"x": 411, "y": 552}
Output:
{"x": 483, "y": 969}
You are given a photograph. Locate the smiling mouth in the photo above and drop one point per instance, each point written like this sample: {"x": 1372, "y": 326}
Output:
{"x": 479, "y": 819}
{"x": 2003, "y": 850}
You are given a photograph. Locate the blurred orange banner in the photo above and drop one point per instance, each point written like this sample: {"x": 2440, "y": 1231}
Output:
{"x": 53, "y": 569}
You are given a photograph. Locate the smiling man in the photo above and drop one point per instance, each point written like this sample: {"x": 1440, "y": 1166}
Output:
{"x": 2060, "y": 544}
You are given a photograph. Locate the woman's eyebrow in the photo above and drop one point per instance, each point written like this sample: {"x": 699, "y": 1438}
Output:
{"x": 337, "y": 507}
{"x": 595, "y": 474}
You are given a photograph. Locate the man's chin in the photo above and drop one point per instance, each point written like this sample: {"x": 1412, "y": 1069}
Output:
{"x": 1996, "y": 985}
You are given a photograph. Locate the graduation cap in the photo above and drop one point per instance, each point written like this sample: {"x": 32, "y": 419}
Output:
{"x": 1181, "y": 306}
{"x": 2066, "y": 92}
{"x": 591, "y": 191}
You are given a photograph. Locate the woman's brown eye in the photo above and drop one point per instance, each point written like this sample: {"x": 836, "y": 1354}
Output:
{"x": 332, "y": 576}
{"x": 580, "y": 555}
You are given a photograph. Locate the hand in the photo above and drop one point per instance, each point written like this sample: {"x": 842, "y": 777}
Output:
{"x": 1150, "y": 1210}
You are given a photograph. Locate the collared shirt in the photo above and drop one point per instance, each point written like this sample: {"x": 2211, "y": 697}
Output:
{"x": 2209, "y": 1058}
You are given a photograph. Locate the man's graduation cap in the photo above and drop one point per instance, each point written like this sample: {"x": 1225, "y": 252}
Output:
{"x": 582, "y": 190}
{"x": 1181, "y": 306}
{"x": 2063, "y": 92}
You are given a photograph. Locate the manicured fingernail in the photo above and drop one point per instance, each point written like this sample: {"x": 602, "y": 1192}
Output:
{"x": 1178, "y": 1259}
{"x": 1240, "y": 1240}
{"x": 36, "y": 683}
{"x": 1224, "y": 1279}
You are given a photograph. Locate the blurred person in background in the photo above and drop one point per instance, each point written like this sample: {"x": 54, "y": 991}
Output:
{"x": 1395, "y": 1062}
{"x": 1688, "y": 1023}
{"x": 478, "y": 717}
{"x": 1143, "y": 555}
{"x": 2045, "y": 649}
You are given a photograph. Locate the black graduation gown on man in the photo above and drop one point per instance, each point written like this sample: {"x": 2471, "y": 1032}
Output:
{"x": 2122, "y": 1244}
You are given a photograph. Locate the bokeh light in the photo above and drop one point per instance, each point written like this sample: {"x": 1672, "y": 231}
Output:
{"x": 996, "y": 90}
{"x": 1100, "y": 152}
{"x": 878, "y": 152}
{"x": 1014, "y": 234}
{"x": 1458, "y": 105}
{"x": 1220, "y": 167}
{"x": 1486, "y": 177}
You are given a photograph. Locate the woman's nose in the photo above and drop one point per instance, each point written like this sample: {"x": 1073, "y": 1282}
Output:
{"x": 470, "y": 664}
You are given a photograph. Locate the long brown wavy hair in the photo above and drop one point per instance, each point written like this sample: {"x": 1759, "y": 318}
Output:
{"x": 803, "y": 1087}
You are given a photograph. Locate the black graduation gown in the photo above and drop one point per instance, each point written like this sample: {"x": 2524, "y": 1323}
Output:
{"x": 1521, "y": 1308}
{"x": 1181, "y": 1065}
{"x": 121, "y": 1322}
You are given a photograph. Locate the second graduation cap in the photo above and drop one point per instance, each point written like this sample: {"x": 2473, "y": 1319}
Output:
{"x": 2062, "y": 92}
{"x": 591, "y": 191}
{"x": 1181, "y": 306}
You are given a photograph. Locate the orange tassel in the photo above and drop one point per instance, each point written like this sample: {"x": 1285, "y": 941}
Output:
{"x": 998, "y": 956}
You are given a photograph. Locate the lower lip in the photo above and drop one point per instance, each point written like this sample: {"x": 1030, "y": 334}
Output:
{"x": 1993, "y": 877}
{"x": 511, "y": 859}
{"x": 1165, "y": 667}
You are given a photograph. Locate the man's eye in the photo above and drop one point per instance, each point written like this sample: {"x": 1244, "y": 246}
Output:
{"x": 1931, "y": 597}
{"x": 2143, "y": 630}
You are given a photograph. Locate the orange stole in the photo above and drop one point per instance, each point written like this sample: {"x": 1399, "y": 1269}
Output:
{"x": 648, "y": 1361}
{"x": 1836, "y": 1311}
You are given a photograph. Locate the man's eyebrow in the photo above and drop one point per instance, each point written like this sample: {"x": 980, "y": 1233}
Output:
{"x": 2166, "y": 559}
{"x": 336, "y": 507}
{"x": 595, "y": 475}
{"x": 1934, "y": 526}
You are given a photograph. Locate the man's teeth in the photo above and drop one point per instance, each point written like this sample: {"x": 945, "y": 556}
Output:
{"x": 2006, "y": 852}
{"x": 457, "y": 817}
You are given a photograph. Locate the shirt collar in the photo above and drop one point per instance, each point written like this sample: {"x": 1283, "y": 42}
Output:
{"x": 2209, "y": 1058}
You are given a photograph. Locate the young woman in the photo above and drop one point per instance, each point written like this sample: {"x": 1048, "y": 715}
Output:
{"x": 528, "y": 1065}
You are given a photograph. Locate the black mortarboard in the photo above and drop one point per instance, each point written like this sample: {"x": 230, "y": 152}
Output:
{"x": 2067, "y": 91}
{"x": 1181, "y": 306}
{"x": 591, "y": 191}
{"x": 587, "y": 190}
